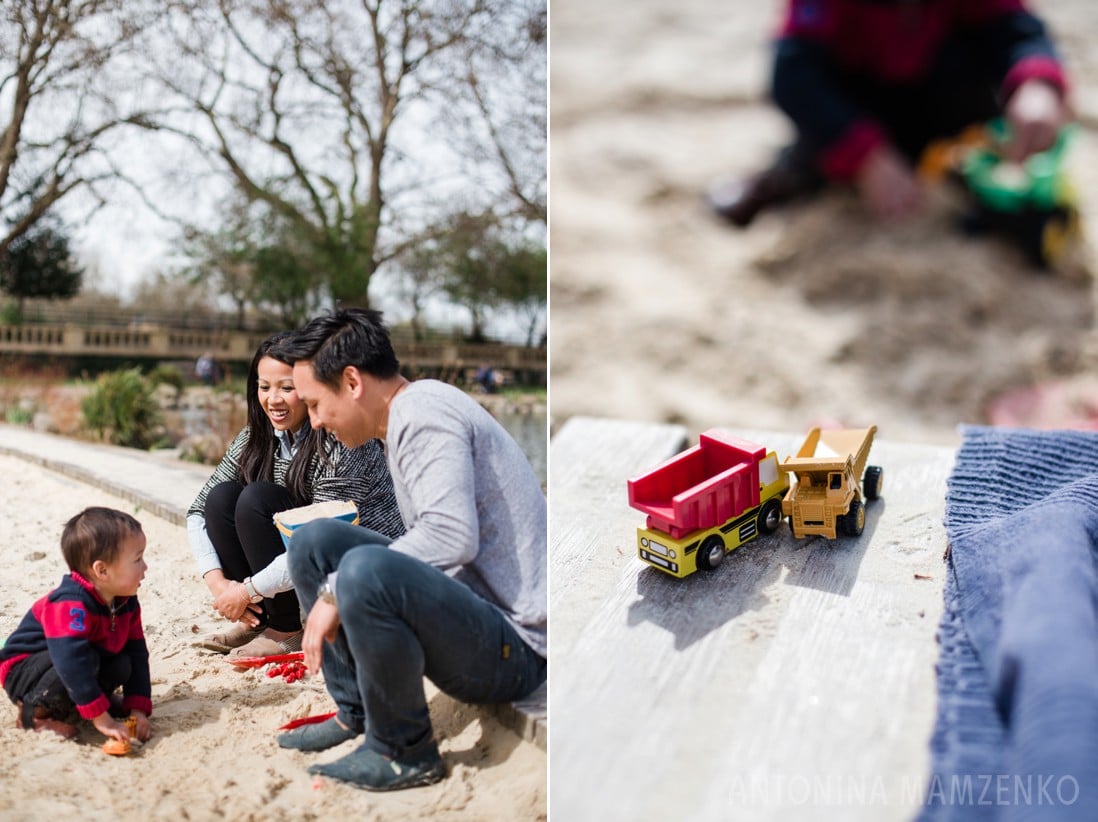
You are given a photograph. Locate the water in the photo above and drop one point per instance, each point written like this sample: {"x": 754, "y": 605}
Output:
{"x": 530, "y": 432}
{"x": 528, "y": 428}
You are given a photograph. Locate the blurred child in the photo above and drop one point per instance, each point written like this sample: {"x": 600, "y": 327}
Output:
{"x": 83, "y": 640}
{"x": 868, "y": 84}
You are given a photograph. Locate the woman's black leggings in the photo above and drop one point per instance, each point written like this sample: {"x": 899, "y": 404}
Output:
{"x": 239, "y": 520}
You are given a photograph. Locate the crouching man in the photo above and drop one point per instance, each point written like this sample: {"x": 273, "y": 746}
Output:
{"x": 460, "y": 598}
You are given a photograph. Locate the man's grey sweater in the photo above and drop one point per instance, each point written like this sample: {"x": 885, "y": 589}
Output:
{"x": 470, "y": 501}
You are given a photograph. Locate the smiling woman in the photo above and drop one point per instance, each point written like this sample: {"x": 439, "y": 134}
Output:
{"x": 277, "y": 462}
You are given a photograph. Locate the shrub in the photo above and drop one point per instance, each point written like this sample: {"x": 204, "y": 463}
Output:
{"x": 121, "y": 409}
{"x": 165, "y": 374}
{"x": 19, "y": 416}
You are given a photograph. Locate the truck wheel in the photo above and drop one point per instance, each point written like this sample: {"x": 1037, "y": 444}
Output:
{"x": 770, "y": 517}
{"x": 852, "y": 523}
{"x": 1056, "y": 231}
{"x": 711, "y": 553}
{"x": 871, "y": 483}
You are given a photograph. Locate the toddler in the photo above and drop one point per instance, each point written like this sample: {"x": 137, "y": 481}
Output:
{"x": 83, "y": 640}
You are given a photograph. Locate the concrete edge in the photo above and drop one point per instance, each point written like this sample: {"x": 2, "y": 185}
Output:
{"x": 165, "y": 510}
{"x": 526, "y": 717}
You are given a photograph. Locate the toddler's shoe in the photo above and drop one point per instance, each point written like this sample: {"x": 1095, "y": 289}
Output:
{"x": 42, "y": 721}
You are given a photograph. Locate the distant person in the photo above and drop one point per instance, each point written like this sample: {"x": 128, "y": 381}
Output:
{"x": 460, "y": 598}
{"x": 275, "y": 463}
{"x": 206, "y": 370}
{"x": 487, "y": 379}
{"x": 869, "y": 84}
{"x": 83, "y": 641}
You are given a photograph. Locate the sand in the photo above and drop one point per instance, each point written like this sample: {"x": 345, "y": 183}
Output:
{"x": 816, "y": 313}
{"x": 213, "y": 753}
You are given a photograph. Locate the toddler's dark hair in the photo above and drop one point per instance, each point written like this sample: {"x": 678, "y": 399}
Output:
{"x": 95, "y": 534}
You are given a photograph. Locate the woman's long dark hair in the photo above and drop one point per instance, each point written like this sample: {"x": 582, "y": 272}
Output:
{"x": 257, "y": 458}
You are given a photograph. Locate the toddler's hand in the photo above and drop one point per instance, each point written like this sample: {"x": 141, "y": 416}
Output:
{"x": 888, "y": 185}
{"x": 1036, "y": 113}
{"x": 111, "y": 727}
{"x": 142, "y": 727}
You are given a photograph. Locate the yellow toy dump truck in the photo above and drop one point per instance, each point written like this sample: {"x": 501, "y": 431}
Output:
{"x": 826, "y": 498}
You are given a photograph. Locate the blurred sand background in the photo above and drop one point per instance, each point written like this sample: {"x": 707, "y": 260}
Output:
{"x": 661, "y": 312}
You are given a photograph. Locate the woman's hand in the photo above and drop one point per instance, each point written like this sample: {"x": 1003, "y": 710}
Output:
{"x": 234, "y": 604}
{"x": 215, "y": 581}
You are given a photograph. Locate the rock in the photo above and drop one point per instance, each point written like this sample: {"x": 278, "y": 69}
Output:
{"x": 166, "y": 396}
{"x": 204, "y": 448}
{"x": 43, "y": 421}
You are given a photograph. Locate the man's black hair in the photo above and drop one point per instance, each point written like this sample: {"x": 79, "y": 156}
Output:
{"x": 347, "y": 336}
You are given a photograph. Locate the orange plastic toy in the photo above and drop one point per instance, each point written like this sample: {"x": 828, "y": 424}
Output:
{"x": 116, "y": 747}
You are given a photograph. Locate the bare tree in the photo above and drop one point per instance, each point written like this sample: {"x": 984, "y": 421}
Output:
{"x": 420, "y": 277}
{"x": 64, "y": 92}
{"x": 501, "y": 131}
{"x": 302, "y": 102}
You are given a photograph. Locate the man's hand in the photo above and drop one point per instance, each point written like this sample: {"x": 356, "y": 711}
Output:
{"x": 888, "y": 185}
{"x": 321, "y": 626}
{"x": 1036, "y": 112}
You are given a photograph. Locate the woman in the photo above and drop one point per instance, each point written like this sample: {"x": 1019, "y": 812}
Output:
{"x": 277, "y": 462}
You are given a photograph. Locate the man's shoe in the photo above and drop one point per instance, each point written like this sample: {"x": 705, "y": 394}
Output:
{"x": 367, "y": 769}
{"x": 318, "y": 737}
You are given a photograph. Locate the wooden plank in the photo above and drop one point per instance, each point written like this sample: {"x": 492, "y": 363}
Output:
{"x": 591, "y": 460}
{"x": 798, "y": 674}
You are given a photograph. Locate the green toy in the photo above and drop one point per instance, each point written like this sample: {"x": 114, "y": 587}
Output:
{"x": 1033, "y": 201}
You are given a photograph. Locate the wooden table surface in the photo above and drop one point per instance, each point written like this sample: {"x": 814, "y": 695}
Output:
{"x": 796, "y": 681}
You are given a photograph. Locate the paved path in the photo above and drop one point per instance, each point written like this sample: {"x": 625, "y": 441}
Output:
{"x": 165, "y": 486}
{"x": 160, "y": 484}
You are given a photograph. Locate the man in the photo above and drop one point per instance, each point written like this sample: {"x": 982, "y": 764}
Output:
{"x": 460, "y": 598}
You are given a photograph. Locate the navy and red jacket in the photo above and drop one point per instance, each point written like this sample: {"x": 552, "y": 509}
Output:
{"x": 75, "y": 625}
{"x": 893, "y": 43}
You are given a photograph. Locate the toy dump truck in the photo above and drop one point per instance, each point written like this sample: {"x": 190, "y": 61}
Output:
{"x": 707, "y": 501}
{"x": 826, "y": 498}
{"x": 1032, "y": 203}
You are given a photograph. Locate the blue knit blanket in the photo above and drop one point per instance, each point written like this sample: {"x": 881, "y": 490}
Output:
{"x": 1016, "y": 736}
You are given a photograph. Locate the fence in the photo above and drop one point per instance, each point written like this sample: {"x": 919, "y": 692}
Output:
{"x": 153, "y": 342}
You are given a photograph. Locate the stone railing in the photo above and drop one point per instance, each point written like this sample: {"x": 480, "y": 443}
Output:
{"x": 159, "y": 343}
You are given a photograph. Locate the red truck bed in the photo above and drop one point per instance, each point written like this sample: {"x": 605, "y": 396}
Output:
{"x": 701, "y": 487}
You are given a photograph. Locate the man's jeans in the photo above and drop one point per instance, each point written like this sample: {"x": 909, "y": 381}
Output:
{"x": 401, "y": 620}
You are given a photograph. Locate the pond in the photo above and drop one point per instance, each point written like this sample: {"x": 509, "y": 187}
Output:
{"x": 529, "y": 427}
{"x": 531, "y": 433}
